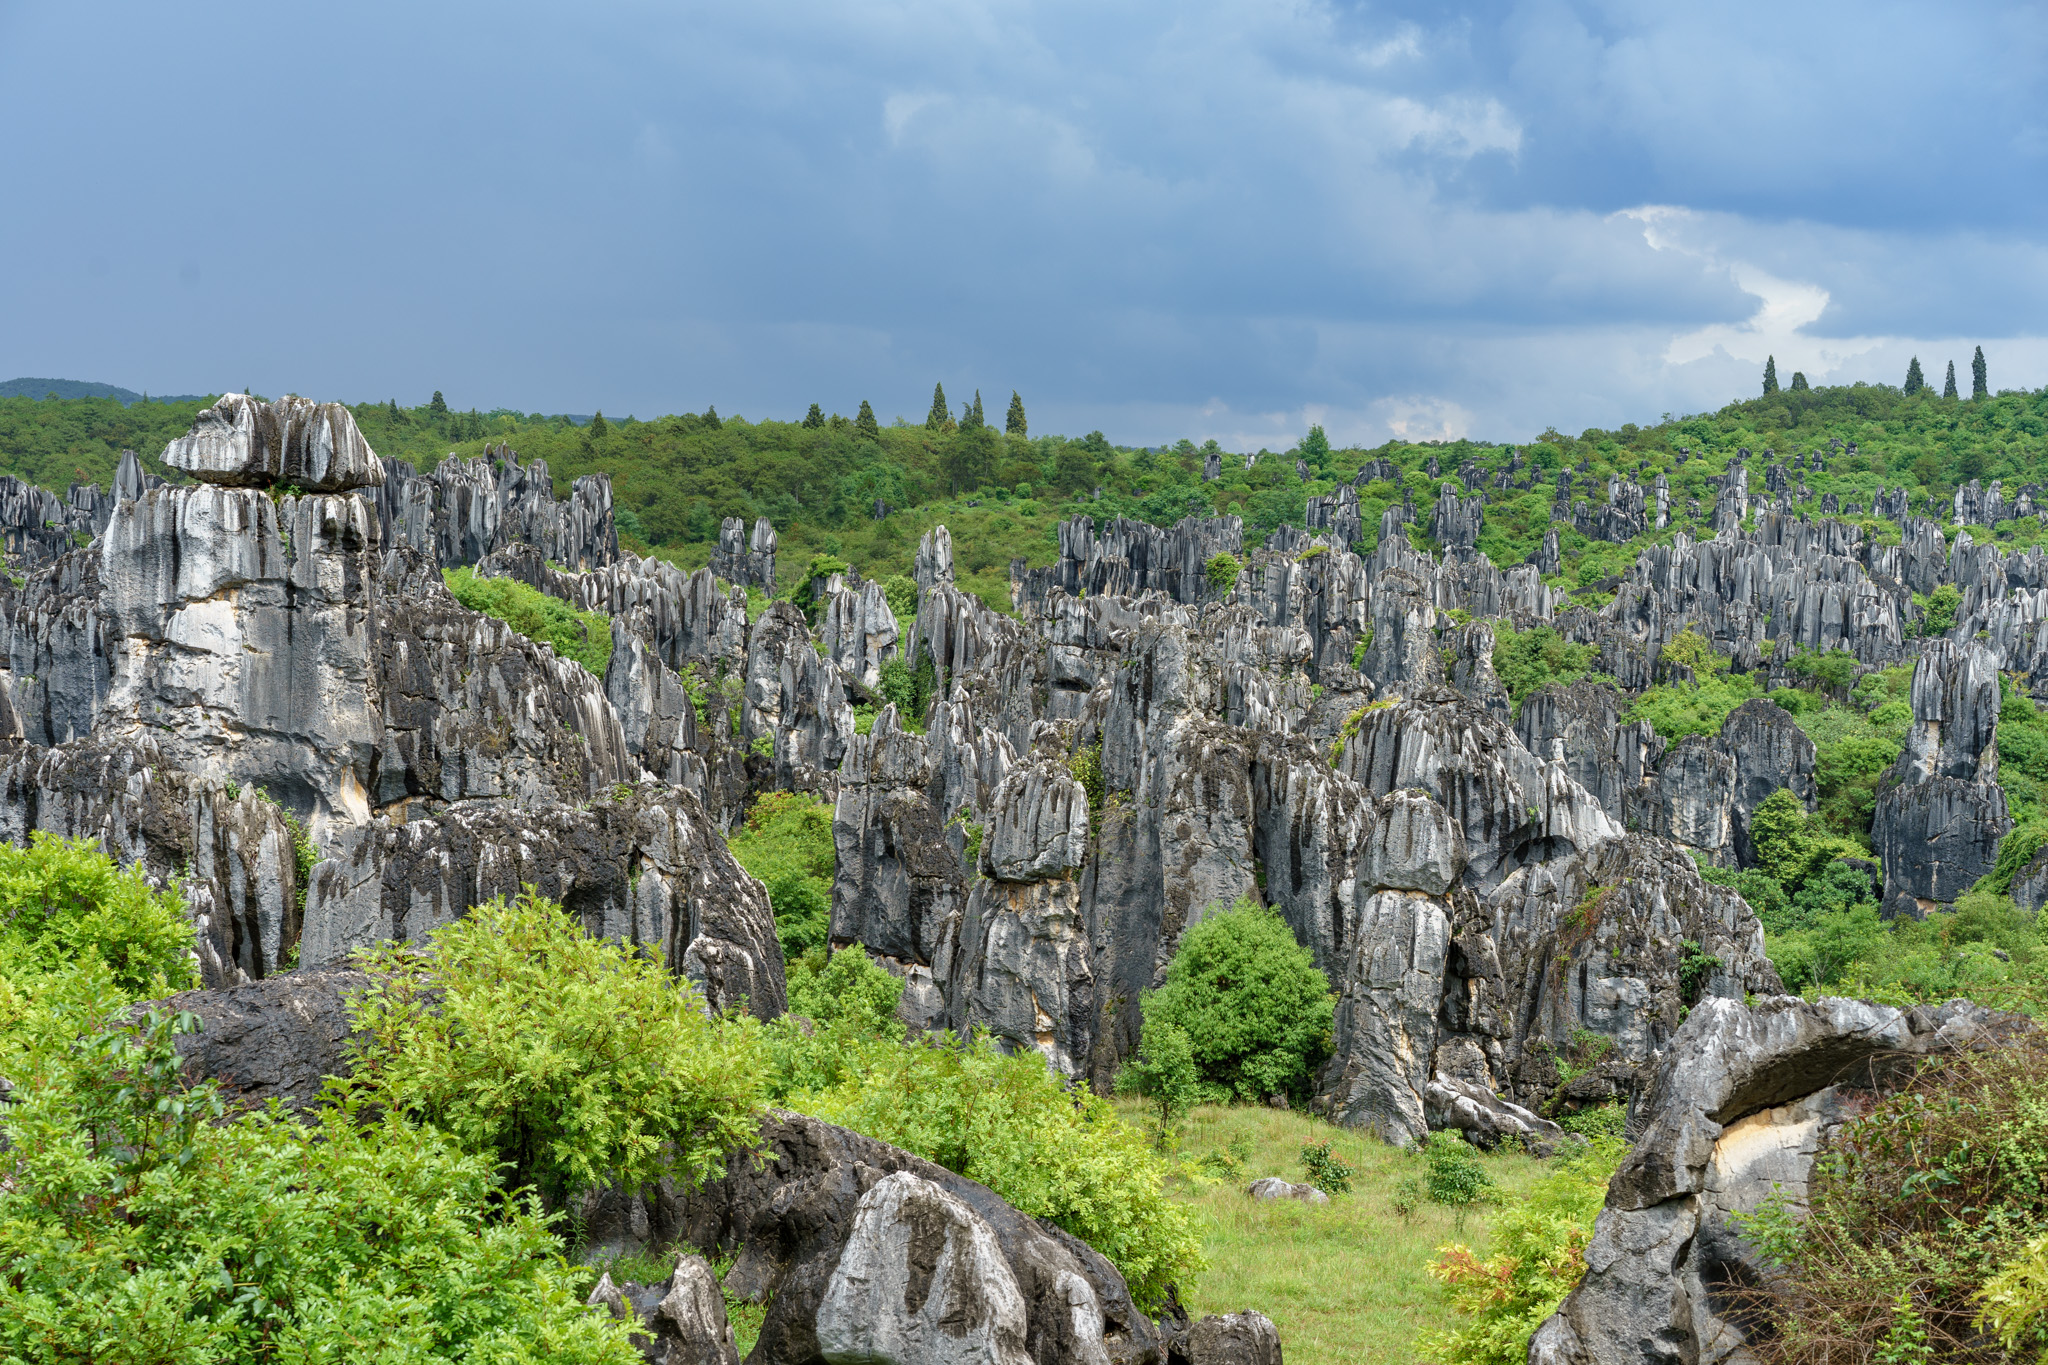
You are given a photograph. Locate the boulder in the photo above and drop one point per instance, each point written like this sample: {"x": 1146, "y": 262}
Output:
{"x": 1273, "y": 1187}
{"x": 793, "y": 1215}
{"x": 680, "y": 1321}
{"x": 274, "y": 1039}
{"x": 1247, "y": 1338}
{"x": 292, "y": 442}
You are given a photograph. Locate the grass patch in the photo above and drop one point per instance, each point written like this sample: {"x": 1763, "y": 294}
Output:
{"x": 1344, "y": 1282}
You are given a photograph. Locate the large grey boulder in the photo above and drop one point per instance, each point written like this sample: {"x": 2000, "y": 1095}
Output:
{"x": 897, "y": 883}
{"x": 1247, "y": 1338}
{"x": 274, "y": 1039}
{"x": 791, "y": 1213}
{"x": 1741, "y": 1103}
{"x": 1940, "y": 811}
{"x": 921, "y": 1279}
{"x": 1386, "y": 1017}
{"x": 1771, "y": 754}
{"x": 294, "y": 442}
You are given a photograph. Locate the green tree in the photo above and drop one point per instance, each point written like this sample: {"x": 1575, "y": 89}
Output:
{"x": 1315, "y": 446}
{"x": 1915, "y": 381}
{"x": 1164, "y": 1071}
{"x": 62, "y": 903}
{"x": 815, "y": 418}
{"x": 1948, "y": 388}
{"x": 438, "y": 407}
{"x": 971, "y": 418}
{"x": 1015, "y": 424}
{"x": 1770, "y": 374}
{"x": 1980, "y": 386}
{"x": 1799, "y": 384}
{"x": 865, "y": 424}
{"x": 599, "y": 428}
{"x": 1251, "y": 1001}
{"x": 940, "y": 418}
{"x": 711, "y": 418}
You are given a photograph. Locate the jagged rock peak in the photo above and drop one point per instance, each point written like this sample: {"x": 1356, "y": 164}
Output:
{"x": 246, "y": 442}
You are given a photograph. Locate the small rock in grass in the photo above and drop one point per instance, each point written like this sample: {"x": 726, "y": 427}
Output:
{"x": 1273, "y": 1187}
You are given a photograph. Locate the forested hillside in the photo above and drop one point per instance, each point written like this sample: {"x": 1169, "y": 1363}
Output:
{"x": 819, "y": 478}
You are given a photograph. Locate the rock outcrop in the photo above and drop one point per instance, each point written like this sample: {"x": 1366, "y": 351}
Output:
{"x": 1742, "y": 1102}
{"x": 1940, "y": 810}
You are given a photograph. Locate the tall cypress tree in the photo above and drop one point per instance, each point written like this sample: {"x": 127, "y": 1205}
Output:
{"x": 1980, "y": 386}
{"x": 598, "y": 426}
{"x": 972, "y": 419}
{"x": 711, "y": 418}
{"x": 815, "y": 418}
{"x": 1014, "y": 424}
{"x": 940, "y": 417}
{"x": 1770, "y": 374}
{"x": 439, "y": 407}
{"x": 865, "y": 424}
{"x": 1948, "y": 390}
{"x": 1799, "y": 384}
{"x": 1915, "y": 381}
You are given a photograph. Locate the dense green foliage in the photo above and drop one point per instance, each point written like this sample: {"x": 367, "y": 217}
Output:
{"x": 584, "y": 636}
{"x": 1538, "y": 1255}
{"x": 137, "y": 1226}
{"x": 1922, "y": 1214}
{"x": 63, "y": 902}
{"x": 1251, "y": 1001}
{"x": 577, "y": 1061}
{"x": 1697, "y": 706}
{"x": 1164, "y": 1071}
{"x": 786, "y": 844}
{"x": 1529, "y": 659}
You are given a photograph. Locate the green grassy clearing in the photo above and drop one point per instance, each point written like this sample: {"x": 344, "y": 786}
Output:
{"x": 1345, "y": 1282}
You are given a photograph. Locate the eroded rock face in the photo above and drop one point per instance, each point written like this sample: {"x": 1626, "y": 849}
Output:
{"x": 643, "y": 866}
{"x": 680, "y": 1321}
{"x": 1940, "y": 811}
{"x": 275, "y": 1039}
{"x": 1742, "y": 1102}
{"x": 292, "y": 442}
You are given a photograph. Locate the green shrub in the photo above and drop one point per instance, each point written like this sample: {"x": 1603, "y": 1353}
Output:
{"x": 1676, "y": 710}
{"x": 576, "y": 1060}
{"x": 1222, "y": 571}
{"x": 1528, "y": 659}
{"x": 1538, "y": 1257}
{"x": 2022, "y": 752}
{"x": 140, "y": 1222}
{"x": 62, "y": 901}
{"x": 1834, "y": 669}
{"x": 899, "y": 687}
{"x": 850, "y": 990}
{"x": 902, "y": 595}
{"x": 1938, "y": 610}
{"x": 584, "y": 636}
{"x": 1252, "y": 1002}
{"x": 1933, "y": 1200}
{"x": 786, "y": 845}
{"x": 1327, "y": 1172}
{"x": 1453, "y": 1175}
{"x": 1053, "y": 1153}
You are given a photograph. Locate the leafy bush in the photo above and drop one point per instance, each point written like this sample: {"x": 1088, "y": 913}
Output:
{"x": 1920, "y": 1215}
{"x": 902, "y": 596}
{"x": 1222, "y": 571}
{"x": 1938, "y": 610}
{"x": 1251, "y": 1001}
{"x": 786, "y": 844}
{"x": 139, "y": 1221}
{"x": 850, "y": 991}
{"x": 584, "y": 636}
{"x": 1327, "y": 1172}
{"x": 62, "y": 901}
{"x": 576, "y": 1060}
{"x": 1539, "y": 1256}
{"x": 1009, "y": 1123}
{"x": 2022, "y": 752}
{"x": 1835, "y": 669}
{"x": 1676, "y": 710}
{"x": 1453, "y": 1175}
{"x": 1529, "y": 659}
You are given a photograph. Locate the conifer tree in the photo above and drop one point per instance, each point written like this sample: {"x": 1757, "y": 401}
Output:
{"x": 598, "y": 426}
{"x": 941, "y": 416}
{"x": 393, "y": 404}
{"x": 865, "y": 425}
{"x": 815, "y": 418}
{"x": 439, "y": 407}
{"x": 711, "y": 417}
{"x": 1948, "y": 390}
{"x": 1799, "y": 384}
{"x": 1014, "y": 424}
{"x": 1980, "y": 386}
{"x": 971, "y": 417}
{"x": 1915, "y": 381}
{"x": 1770, "y": 374}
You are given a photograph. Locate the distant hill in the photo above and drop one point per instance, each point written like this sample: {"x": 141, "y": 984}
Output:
{"x": 80, "y": 388}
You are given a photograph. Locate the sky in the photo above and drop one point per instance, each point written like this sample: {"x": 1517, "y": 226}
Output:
{"x": 1206, "y": 219}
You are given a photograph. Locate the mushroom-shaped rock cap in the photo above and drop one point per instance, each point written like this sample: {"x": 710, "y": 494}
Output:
{"x": 249, "y": 443}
